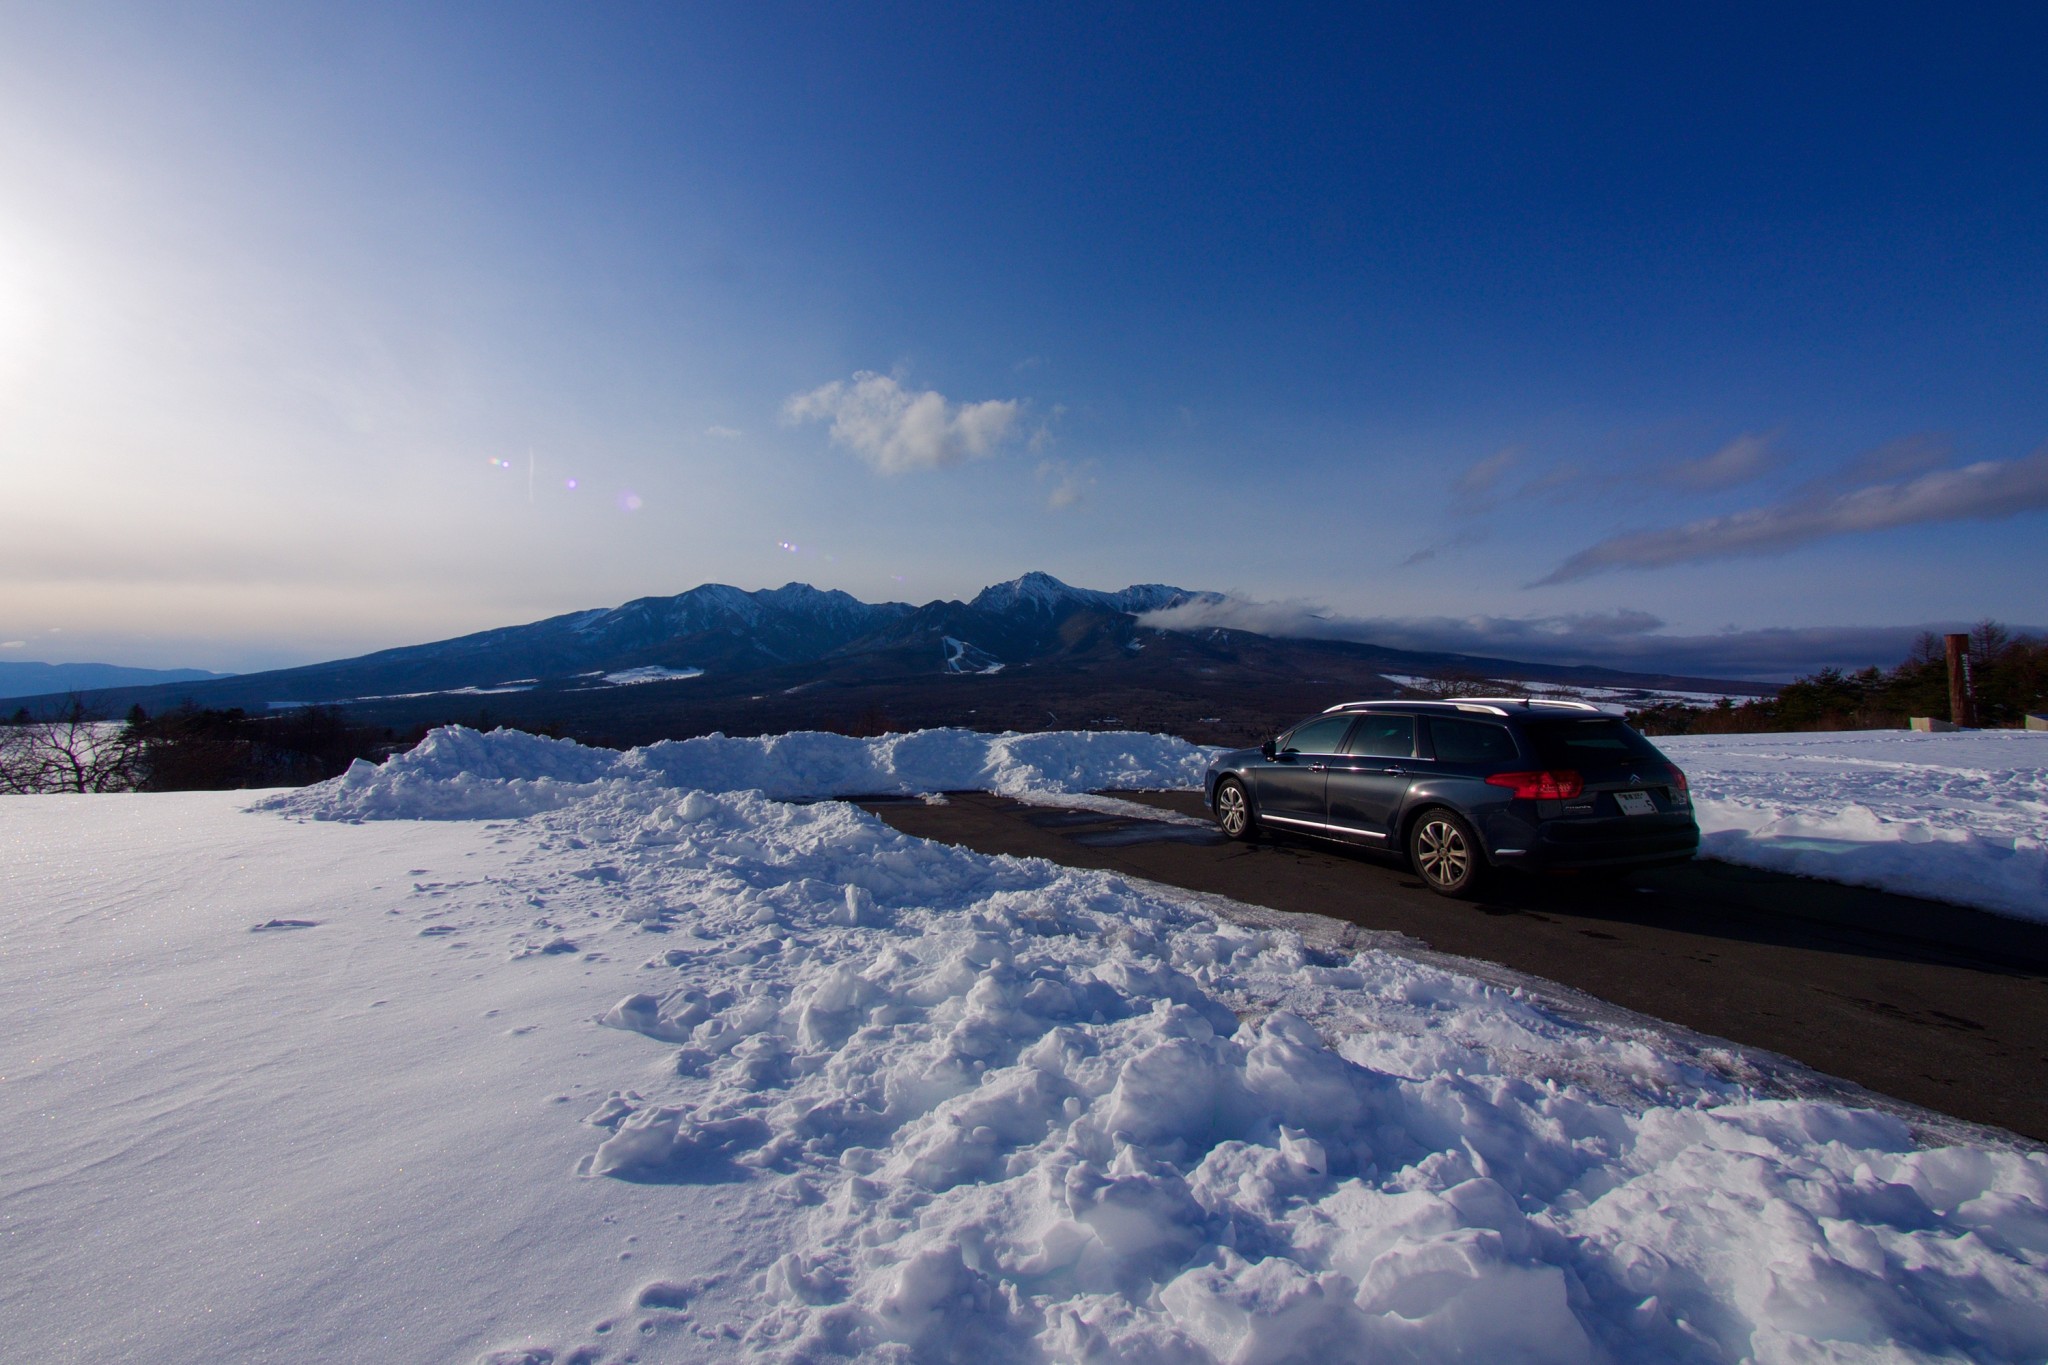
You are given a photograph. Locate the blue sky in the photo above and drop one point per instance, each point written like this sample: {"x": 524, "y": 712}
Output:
{"x": 1712, "y": 334}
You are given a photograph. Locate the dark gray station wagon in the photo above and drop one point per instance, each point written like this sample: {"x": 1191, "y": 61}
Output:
{"x": 1465, "y": 787}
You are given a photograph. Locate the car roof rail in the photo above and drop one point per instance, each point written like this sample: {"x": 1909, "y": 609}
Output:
{"x": 1566, "y": 703}
{"x": 1460, "y": 703}
{"x": 1490, "y": 705}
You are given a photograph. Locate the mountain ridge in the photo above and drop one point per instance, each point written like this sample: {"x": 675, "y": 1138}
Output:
{"x": 27, "y": 678}
{"x": 720, "y": 657}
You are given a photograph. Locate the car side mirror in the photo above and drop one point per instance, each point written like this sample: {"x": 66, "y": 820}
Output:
{"x": 1269, "y": 750}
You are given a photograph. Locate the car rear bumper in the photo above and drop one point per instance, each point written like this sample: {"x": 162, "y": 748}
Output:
{"x": 1572, "y": 845}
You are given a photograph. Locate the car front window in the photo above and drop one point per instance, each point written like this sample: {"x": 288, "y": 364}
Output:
{"x": 1320, "y": 736}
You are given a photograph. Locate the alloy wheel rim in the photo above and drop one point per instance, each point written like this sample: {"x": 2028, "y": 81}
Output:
{"x": 1230, "y": 804}
{"x": 1444, "y": 855}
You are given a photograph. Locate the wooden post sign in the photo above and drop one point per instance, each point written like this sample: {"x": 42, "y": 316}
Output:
{"x": 1962, "y": 707}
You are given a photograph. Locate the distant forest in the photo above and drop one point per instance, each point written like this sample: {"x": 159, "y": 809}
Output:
{"x": 2008, "y": 672}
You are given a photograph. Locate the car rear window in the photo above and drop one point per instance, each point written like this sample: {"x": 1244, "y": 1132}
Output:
{"x": 1470, "y": 741}
{"x": 1586, "y": 743}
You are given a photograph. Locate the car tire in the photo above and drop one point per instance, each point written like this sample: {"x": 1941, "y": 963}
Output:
{"x": 1234, "y": 813}
{"x": 1445, "y": 853}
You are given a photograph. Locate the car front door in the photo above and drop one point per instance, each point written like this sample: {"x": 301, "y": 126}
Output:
{"x": 1368, "y": 782}
{"x": 1291, "y": 784}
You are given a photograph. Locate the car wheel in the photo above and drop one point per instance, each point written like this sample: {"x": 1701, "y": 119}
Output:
{"x": 1234, "y": 810}
{"x": 1446, "y": 854}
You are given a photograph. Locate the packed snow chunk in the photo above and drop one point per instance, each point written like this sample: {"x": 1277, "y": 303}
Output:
{"x": 1957, "y": 817}
{"x": 456, "y": 773}
{"x": 944, "y": 1309}
{"x": 642, "y": 1014}
{"x": 660, "y": 1143}
{"x": 1462, "y": 1295}
{"x": 1263, "y": 1314}
{"x": 665, "y": 1294}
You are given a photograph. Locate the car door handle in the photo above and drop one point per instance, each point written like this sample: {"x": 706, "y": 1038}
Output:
{"x": 1319, "y": 767}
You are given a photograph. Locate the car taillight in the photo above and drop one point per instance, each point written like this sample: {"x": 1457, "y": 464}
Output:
{"x": 1562, "y": 785}
{"x": 1678, "y": 782}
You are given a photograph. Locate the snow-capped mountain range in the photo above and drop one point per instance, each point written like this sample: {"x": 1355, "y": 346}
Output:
{"x": 720, "y": 630}
{"x": 1020, "y": 655}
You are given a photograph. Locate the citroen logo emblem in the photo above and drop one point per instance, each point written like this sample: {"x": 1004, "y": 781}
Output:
{"x": 1633, "y": 778}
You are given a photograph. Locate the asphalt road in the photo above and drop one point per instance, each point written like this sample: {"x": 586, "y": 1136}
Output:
{"x": 1933, "y": 1004}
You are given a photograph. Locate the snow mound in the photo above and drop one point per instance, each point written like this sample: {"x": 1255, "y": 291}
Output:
{"x": 1015, "y": 1111}
{"x": 1954, "y": 817}
{"x": 1028, "y": 1112}
{"x": 456, "y": 773}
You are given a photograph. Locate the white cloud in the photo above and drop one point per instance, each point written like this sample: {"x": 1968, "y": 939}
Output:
{"x": 13, "y": 644}
{"x": 1741, "y": 460}
{"x": 1985, "y": 491}
{"x": 724, "y": 433}
{"x": 1070, "y": 483}
{"x": 897, "y": 429}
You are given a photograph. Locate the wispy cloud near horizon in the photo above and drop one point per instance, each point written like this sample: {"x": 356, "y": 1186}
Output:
{"x": 1484, "y": 476}
{"x": 897, "y": 430}
{"x": 1625, "y": 638}
{"x": 1737, "y": 462}
{"x": 1987, "y": 491}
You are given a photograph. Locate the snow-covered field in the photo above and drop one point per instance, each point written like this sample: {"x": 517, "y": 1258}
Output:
{"x": 1956, "y": 817}
{"x": 516, "y": 1051}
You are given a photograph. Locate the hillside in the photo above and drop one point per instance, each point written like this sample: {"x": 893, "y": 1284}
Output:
{"x": 1032, "y": 653}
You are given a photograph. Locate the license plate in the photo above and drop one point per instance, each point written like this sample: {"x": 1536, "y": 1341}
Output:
{"x": 1635, "y": 803}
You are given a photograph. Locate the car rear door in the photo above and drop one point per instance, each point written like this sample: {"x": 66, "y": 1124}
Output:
{"x": 1292, "y": 784}
{"x": 1369, "y": 781}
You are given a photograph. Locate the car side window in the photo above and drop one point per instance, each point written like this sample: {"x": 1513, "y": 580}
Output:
{"x": 1384, "y": 737}
{"x": 1319, "y": 736}
{"x": 1470, "y": 741}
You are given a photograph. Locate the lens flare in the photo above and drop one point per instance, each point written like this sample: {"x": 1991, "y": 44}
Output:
{"x": 629, "y": 502}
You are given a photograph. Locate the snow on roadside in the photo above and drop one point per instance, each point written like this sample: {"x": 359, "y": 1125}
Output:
{"x": 1034, "y": 1112}
{"x": 1961, "y": 818}
{"x": 459, "y": 773}
{"x": 1954, "y": 817}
